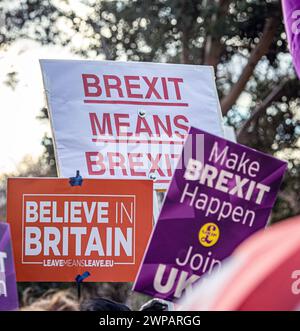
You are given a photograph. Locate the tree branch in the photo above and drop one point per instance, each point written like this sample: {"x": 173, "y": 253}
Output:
{"x": 275, "y": 94}
{"x": 185, "y": 47}
{"x": 213, "y": 46}
{"x": 258, "y": 52}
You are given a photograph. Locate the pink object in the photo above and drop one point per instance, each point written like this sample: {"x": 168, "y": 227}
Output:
{"x": 262, "y": 274}
{"x": 291, "y": 14}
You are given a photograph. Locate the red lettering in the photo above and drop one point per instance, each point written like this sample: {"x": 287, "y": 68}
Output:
{"x": 120, "y": 162}
{"x": 159, "y": 123}
{"x": 119, "y": 125}
{"x": 134, "y": 164}
{"x": 95, "y": 85}
{"x": 97, "y": 129}
{"x": 177, "y": 123}
{"x": 155, "y": 164}
{"x": 176, "y": 82}
{"x": 130, "y": 86}
{"x": 95, "y": 163}
{"x": 168, "y": 165}
{"x": 151, "y": 85}
{"x": 141, "y": 121}
{"x": 165, "y": 88}
{"x": 112, "y": 86}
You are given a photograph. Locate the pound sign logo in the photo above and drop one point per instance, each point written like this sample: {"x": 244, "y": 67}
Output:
{"x": 209, "y": 234}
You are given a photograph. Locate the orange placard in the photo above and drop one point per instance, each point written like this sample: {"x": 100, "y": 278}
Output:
{"x": 60, "y": 231}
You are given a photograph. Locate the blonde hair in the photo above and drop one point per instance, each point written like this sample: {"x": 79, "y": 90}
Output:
{"x": 54, "y": 301}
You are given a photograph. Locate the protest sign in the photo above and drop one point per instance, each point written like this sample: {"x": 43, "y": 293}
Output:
{"x": 8, "y": 285}
{"x": 60, "y": 231}
{"x": 229, "y": 133}
{"x": 291, "y": 14}
{"x": 220, "y": 194}
{"x": 126, "y": 120}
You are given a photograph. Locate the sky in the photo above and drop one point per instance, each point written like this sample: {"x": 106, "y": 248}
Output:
{"x": 21, "y": 132}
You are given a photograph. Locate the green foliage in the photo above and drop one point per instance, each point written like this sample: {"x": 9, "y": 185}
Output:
{"x": 30, "y": 19}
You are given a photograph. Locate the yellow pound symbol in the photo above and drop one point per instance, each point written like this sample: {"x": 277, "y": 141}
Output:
{"x": 209, "y": 234}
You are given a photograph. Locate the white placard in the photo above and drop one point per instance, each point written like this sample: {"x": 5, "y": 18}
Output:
{"x": 229, "y": 133}
{"x": 126, "y": 119}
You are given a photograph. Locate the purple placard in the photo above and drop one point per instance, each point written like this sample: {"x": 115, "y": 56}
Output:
{"x": 220, "y": 194}
{"x": 8, "y": 285}
{"x": 291, "y": 14}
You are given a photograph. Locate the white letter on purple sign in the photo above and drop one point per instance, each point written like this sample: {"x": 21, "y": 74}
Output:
{"x": 157, "y": 284}
{"x": 192, "y": 171}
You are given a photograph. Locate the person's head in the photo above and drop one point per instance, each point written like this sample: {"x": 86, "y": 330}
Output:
{"x": 101, "y": 304}
{"x": 155, "y": 305}
{"x": 57, "y": 301}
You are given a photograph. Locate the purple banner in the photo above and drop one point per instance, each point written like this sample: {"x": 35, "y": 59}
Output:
{"x": 291, "y": 14}
{"x": 8, "y": 287}
{"x": 220, "y": 194}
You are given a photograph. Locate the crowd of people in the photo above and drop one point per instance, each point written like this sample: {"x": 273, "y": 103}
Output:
{"x": 65, "y": 300}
